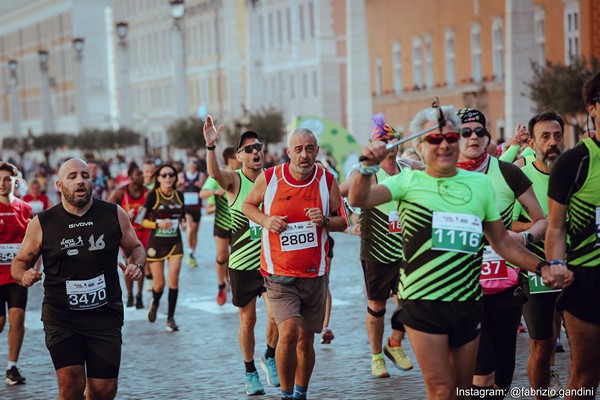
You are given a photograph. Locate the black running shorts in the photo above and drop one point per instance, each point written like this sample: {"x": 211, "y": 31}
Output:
{"x": 98, "y": 350}
{"x": 12, "y": 295}
{"x": 381, "y": 279}
{"x": 460, "y": 320}
{"x": 581, "y": 299}
{"x": 245, "y": 285}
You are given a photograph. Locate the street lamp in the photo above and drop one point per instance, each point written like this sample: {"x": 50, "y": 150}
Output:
{"x": 78, "y": 44}
{"x": 177, "y": 12}
{"x": 45, "y": 88}
{"x": 15, "y": 105}
{"x": 125, "y": 103}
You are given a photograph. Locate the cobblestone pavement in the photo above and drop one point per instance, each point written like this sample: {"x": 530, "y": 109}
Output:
{"x": 203, "y": 360}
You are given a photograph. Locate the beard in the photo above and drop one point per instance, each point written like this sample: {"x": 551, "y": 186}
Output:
{"x": 78, "y": 201}
{"x": 550, "y": 157}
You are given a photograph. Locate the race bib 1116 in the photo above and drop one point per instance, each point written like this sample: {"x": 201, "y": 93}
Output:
{"x": 456, "y": 232}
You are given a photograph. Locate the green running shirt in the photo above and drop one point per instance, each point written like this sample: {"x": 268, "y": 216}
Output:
{"x": 378, "y": 242}
{"x": 442, "y": 275}
{"x": 245, "y": 252}
{"x": 575, "y": 182}
{"x": 222, "y": 214}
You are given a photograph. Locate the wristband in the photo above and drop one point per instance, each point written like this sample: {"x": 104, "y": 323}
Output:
{"x": 557, "y": 262}
{"x": 211, "y": 147}
{"x": 538, "y": 268}
{"x": 368, "y": 169}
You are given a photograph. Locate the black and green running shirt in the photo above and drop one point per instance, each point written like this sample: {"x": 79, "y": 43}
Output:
{"x": 442, "y": 232}
{"x": 245, "y": 234}
{"x": 222, "y": 214}
{"x": 380, "y": 233}
{"x": 540, "y": 187}
{"x": 575, "y": 182}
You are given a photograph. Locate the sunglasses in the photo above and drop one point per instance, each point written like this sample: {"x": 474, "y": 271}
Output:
{"x": 596, "y": 100}
{"x": 250, "y": 148}
{"x": 437, "y": 138}
{"x": 479, "y": 131}
{"x": 167, "y": 175}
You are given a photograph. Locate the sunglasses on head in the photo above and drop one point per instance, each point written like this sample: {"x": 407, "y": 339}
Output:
{"x": 250, "y": 148}
{"x": 479, "y": 131}
{"x": 437, "y": 138}
{"x": 167, "y": 175}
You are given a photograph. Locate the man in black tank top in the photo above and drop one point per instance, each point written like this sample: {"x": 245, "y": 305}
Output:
{"x": 82, "y": 311}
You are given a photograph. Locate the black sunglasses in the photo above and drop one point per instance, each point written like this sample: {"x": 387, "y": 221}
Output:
{"x": 167, "y": 175}
{"x": 479, "y": 131}
{"x": 250, "y": 148}
{"x": 437, "y": 138}
{"x": 596, "y": 100}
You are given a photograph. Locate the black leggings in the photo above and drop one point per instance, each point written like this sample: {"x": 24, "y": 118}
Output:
{"x": 498, "y": 341}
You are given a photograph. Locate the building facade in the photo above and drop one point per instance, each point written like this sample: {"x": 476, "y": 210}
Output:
{"x": 474, "y": 53}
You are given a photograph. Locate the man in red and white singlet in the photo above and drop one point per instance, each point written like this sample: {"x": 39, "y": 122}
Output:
{"x": 15, "y": 215}
{"x": 297, "y": 199}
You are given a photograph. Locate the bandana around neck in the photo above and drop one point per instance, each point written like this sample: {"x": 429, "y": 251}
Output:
{"x": 476, "y": 165}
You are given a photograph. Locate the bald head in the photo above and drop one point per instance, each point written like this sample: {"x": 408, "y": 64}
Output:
{"x": 75, "y": 183}
{"x": 69, "y": 165}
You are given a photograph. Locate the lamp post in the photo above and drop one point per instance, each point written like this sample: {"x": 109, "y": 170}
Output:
{"x": 47, "y": 123}
{"x": 78, "y": 45}
{"x": 125, "y": 103}
{"x": 177, "y": 12}
{"x": 15, "y": 106}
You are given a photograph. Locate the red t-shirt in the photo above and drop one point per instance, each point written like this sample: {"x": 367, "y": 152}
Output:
{"x": 38, "y": 204}
{"x": 13, "y": 224}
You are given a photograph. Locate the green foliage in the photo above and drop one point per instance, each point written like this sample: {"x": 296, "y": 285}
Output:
{"x": 269, "y": 125}
{"x": 104, "y": 139}
{"x": 52, "y": 141}
{"x": 558, "y": 87}
{"x": 186, "y": 133}
{"x": 11, "y": 143}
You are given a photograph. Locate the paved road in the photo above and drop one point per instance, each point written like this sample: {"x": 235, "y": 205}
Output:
{"x": 203, "y": 360}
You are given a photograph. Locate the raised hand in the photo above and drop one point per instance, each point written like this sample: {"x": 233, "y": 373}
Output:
{"x": 211, "y": 135}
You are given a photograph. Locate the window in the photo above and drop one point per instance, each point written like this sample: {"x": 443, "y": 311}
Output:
{"x": 450, "y": 58}
{"x": 497, "y": 49}
{"x": 311, "y": 19}
{"x": 279, "y": 29}
{"x": 261, "y": 37}
{"x": 378, "y": 77}
{"x": 397, "y": 66}
{"x": 301, "y": 22}
{"x": 304, "y": 84}
{"x": 476, "y": 53}
{"x": 428, "y": 61}
{"x": 571, "y": 31}
{"x": 417, "y": 62}
{"x": 292, "y": 87}
{"x": 288, "y": 22}
{"x": 540, "y": 36}
{"x": 315, "y": 84}
{"x": 271, "y": 36}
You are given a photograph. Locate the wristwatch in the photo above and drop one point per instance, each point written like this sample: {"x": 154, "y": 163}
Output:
{"x": 542, "y": 264}
{"x": 325, "y": 221}
{"x": 528, "y": 236}
{"x": 140, "y": 267}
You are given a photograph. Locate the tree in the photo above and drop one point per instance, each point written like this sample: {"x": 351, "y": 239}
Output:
{"x": 186, "y": 133}
{"x": 558, "y": 87}
{"x": 104, "y": 139}
{"x": 269, "y": 125}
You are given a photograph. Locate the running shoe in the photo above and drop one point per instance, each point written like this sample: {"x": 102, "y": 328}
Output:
{"x": 222, "y": 296}
{"x": 326, "y": 336}
{"x": 139, "y": 304}
{"x": 13, "y": 376}
{"x": 555, "y": 387}
{"x": 171, "y": 325}
{"x": 191, "y": 261}
{"x": 152, "y": 312}
{"x": 129, "y": 300}
{"x": 559, "y": 346}
{"x": 378, "y": 369}
{"x": 253, "y": 385}
{"x": 398, "y": 357}
{"x": 268, "y": 365}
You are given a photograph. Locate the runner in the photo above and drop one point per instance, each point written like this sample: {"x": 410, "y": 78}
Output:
{"x": 131, "y": 198}
{"x": 164, "y": 213}
{"x": 244, "y": 262}
{"x": 222, "y": 225}
{"x": 192, "y": 180}
{"x": 574, "y": 190}
{"x": 502, "y": 293}
{"x": 36, "y": 198}
{"x": 546, "y": 132}
{"x": 298, "y": 197}
{"x": 444, "y": 213}
{"x": 82, "y": 312}
{"x": 15, "y": 214}
{"x": 381, "y": 258}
